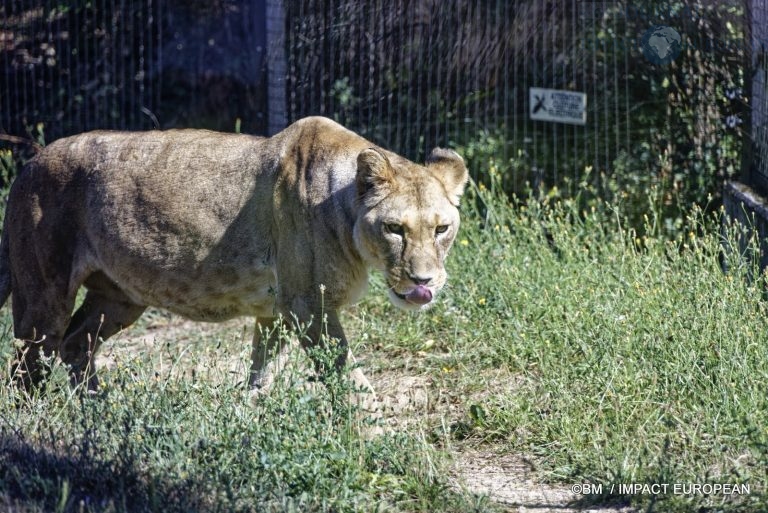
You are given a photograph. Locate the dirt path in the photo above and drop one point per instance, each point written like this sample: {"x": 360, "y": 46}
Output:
{"x": 411, "y": 402}
{"x": 415, "y": 402}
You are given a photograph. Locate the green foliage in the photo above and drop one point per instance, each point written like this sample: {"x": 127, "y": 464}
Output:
{"x": 7, "y": 172}
{"x": 344, "y": 97}
{"x": 652, "y": 130}
{"x": 699, "y": 89}
{"x": 602, "y": 354}
{"x": 630, "y": 358}
{"x": 679, "y": 147}
{"x": 155, "y": 441}
{"x": 486, "y": 158}
{"x": 7, "y": 167}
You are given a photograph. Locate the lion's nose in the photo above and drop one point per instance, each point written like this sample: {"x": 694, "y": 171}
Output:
{"x": 419, "y": 280}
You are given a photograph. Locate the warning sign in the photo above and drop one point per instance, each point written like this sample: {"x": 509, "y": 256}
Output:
{"x": 558, "y": 106}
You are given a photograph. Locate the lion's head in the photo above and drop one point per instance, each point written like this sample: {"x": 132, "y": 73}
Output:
{"x": 408, "y": 220}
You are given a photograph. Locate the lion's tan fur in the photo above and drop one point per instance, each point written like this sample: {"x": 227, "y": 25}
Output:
{"x": 213, "y": 226}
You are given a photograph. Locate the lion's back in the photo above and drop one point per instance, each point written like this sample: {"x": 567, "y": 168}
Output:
{"x": 155, "y": 212}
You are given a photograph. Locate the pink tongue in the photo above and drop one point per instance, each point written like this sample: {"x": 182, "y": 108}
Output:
{"x": 420, "y": 295}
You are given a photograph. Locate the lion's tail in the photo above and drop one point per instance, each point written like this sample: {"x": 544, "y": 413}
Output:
{"x": 5, "y": 268}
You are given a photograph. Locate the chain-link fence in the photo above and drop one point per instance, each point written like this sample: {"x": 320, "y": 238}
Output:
{"x": 539, "y": 93}
{"x": 419, "y": 73}
{"x": 416, "y": 74}
{"x": 67, "y": 67}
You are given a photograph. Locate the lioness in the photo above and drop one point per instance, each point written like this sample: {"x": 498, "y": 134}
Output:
{"x": 213, "y": 226}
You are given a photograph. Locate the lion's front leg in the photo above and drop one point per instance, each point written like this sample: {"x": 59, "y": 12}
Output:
{"x": 329, "y": 334}
{"x": 365, "y": 396}
{"x": 323, "y": 334}
{"x": 267, "y": 354}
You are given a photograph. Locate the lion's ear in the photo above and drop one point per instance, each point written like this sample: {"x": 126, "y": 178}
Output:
{"x": 373, "y": 170}
{"x": 449, "y": 168}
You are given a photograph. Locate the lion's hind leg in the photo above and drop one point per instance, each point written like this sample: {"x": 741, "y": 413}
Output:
{"x": 105, "y": 311}
{"x": 40, "y": 315}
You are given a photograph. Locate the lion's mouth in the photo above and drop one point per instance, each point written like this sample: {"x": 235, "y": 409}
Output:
{"x": 419, "y": 295}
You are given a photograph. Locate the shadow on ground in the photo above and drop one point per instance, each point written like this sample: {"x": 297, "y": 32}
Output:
{"x": 29, "y": 472}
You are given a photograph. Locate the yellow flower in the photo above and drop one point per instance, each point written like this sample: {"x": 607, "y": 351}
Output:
{"x": 481, "y": 301}
{"x": 464, "y": 242}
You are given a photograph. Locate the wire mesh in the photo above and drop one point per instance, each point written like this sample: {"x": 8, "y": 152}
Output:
{"x": 407, "y": 74}
{"x": 75, "y": 66}
{"x": 758, "y": 33}
{"x": 68, "y": 67}
{"x": 411, "y": 75}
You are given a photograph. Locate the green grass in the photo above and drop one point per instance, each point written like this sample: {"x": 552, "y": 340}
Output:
{"x": 630, "y": 361}
{"x": 166, "y": 442}
{"x": 602, "y": 358}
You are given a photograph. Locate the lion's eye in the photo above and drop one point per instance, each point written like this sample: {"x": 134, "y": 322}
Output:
{"x": 441, "y": 229}
{"x": 394, "y": 228}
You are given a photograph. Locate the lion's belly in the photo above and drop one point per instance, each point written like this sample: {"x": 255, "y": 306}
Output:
{"x": 209, "y": 293}
{"x": 219, "y": 303}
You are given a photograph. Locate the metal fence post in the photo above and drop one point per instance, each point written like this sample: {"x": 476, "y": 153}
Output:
{"x": 277, "y": 67}
{"x": 756, "y": 130}
{"x": 744, "y": 201}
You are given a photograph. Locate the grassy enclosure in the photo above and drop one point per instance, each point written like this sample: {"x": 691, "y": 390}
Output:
{"x": 588, "y": 329}
{"x": 600, "y": 356}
